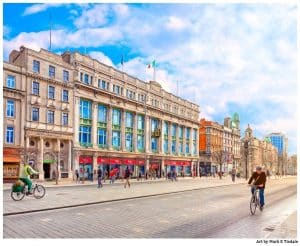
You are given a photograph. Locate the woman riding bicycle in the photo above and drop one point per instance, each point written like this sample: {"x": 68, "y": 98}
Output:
{"x": 260, "y": 179}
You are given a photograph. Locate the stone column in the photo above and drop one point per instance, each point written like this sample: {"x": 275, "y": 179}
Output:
{"x": 109, "y": 127}
{"x": 75, "y": 161}
{"x": 70, "y": 173}
{"x": 95, "y": 168}
{"x": 147, "y": 134}
{"x": 170, "y": 138}
{"x": 177, "y": 139}
{"x": 135, "y": 123}
{"x": 191, "y": 141}
{"x": 41, "y": 160}
{"x": 58, "y": 159}
{"x": 123, "y": 124}
{"x": 94, "y": 124}
{"x": 76, "y": 119}
{"x": 161, "y": 138}
{"x": 184, "y": 141}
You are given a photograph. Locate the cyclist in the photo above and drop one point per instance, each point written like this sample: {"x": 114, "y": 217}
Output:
{"x": 25, "y": 176}
{"x": 260, "y": 179}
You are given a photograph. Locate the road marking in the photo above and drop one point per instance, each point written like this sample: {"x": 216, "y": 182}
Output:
{"x": 46, "y": 219}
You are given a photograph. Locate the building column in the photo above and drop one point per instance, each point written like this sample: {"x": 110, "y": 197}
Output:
{"x": 123, "y": 124}
{"x": 70, "y": 173}
{"x": 95, "y": 168}
{"x": 184, "y": 141}
{"x": 109, "y": 127}
{"x": 41, "y": 160}
{"x": 147, "y": 134}
{"x": 94, "y": 124}
{"x": 177, "y": 140}
{"x": 161, "y": 138}
{"x": 170, "y": 138}
{"x": 75, "y": 161}
{"x": 76, "y": 121}
{"x": 135, "y": 125}
{"x": 58, "y": 159}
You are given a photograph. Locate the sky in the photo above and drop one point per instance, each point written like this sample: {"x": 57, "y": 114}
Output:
{"x": 227, "y": 58}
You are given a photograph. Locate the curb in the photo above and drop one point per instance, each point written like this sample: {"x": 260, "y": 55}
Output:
{"x": 113, "y": 200}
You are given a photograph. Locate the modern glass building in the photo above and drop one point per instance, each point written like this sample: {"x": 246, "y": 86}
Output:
{"x": 279, "y": 140}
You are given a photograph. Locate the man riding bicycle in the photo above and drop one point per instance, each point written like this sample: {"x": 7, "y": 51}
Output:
{"x": 25, "y": 176}
{"x": 260, "y": 179}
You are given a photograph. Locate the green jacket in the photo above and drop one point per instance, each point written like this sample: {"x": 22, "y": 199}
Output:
{"x": 27, "y": 171}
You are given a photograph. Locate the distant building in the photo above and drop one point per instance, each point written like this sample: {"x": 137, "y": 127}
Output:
{"x": 259, "y": 153}
{"x": 219, "y": 145}
{"x": 291, "y": 168}
{"x": 280, "y": 141}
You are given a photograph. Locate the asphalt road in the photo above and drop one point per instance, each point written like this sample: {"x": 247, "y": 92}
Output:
{"x": 220, "y": 212}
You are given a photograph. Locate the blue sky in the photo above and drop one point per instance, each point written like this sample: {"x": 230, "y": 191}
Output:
{"x": 226, "y": 57}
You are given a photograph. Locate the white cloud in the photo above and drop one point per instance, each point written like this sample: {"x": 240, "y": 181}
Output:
{"x": 175, "y": 23}
{"x": 95, "y": 16}
{"x": 101, "y": 57}
{"x": 6, "y": 31}
{"x": 40, "y": 7}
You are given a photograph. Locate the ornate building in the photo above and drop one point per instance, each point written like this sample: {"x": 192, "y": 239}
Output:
{"x": 79, "y": 113}
{"x": 258, "y": 153}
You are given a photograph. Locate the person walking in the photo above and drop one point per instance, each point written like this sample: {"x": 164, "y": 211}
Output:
{"x": 233, "y": 174}
{"x": 77, "y": 176}
{"x": 99, "y": 173}
{"x": 268, "y": 174}
{"x": 140, "y": 176}
{"x": 81, "y": 176}
{"x": 127, "y": 176}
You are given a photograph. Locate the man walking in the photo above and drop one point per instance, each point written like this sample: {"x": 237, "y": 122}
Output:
{"x": 99, "y": 173}
{"x": 77, "y": 175}
{"x": 233, "y": 174}
{"x": 127, "y": 176}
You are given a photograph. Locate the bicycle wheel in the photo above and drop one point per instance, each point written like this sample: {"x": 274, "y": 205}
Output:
{"x": 17, "y": 196}
{"x": 253, "y": 205}
{"x": 39, "y": 191}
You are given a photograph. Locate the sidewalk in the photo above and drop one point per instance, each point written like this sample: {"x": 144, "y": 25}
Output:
{"x": 288, "y": 229}
{"x": 67, "y": 196}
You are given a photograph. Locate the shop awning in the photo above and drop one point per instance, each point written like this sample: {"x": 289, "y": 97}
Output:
{"x": 177, "y": 163}
{"x": 85, "y": 160}
{"x": 11, "y": 159}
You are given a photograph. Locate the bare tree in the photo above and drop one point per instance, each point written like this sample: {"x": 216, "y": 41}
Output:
{"x": 219, "y": 156}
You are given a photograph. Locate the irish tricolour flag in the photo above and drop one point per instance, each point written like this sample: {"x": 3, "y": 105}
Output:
{"x": 152, "y": 64}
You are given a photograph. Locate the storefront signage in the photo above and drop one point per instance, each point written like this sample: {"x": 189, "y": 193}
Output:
{"x": 85, "y": 159}
{"x": 177, "y": 163}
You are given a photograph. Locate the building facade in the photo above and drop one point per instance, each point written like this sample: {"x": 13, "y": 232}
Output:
{"x": 258, "y": 153}
{"x": 82, "y": 114}
{"x": 280, "y": 141}
{"x": 219, "y": 145}
{"x": 13, "y": 115}
{"x": 291, "y": 168}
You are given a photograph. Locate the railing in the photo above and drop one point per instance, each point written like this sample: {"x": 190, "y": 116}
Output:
{"x": 86, "y": 145}
{"x": 102, "y": 125}
{"x": 102, "y": 146}
{"x": 140, "y": 132}
{"x": 116, "y": 147}
{"x": 85, "y": 121}
{"x": 142, "y": 150}
{"x": 116, "y": 127}
{"x": 129, "y": 130}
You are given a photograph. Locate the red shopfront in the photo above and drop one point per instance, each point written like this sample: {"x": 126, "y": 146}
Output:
{"x": 183, "y": 168}
{"x": 135, "y": 165}
{"x": 155, "y": 167}
{"x": 86, "y": 166}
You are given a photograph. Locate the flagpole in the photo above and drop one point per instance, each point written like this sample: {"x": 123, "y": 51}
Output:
{"x": 154, "y": 71}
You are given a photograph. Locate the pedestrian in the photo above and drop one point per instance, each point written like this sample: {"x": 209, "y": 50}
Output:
{"x": 81, "y": 175}
{"x": 140, "y": 176}
{"x": 99, "y": 173}
{"x": 268, "y": 174}
{"x": 127, "y": 176}
{"x": 233, "y": 173}
{"x": 200, "y": 173}
{"x": 77, "y": 176}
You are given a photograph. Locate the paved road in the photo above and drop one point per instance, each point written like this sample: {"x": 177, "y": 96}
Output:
{"x": 220, "y": 212}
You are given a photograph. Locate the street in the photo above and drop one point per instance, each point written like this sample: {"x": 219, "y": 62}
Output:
{"x": 212, "y": 212}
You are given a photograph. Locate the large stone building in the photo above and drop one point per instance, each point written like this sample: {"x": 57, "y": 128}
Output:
{"x": 291, "y": 168}
{"x": 88, "y": 115}
{"x": 257, "y": 152}
{"x": 219, "y": 145}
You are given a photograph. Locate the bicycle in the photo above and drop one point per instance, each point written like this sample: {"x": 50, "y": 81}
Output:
{"x": 254, "y": 201}
{"x": 19, "y": 192}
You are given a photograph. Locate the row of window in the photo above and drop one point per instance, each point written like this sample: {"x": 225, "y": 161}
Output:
{"x": 51, "y": 92}
{"x": 35, "y": 116}
{"x": 51, "y": 70}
